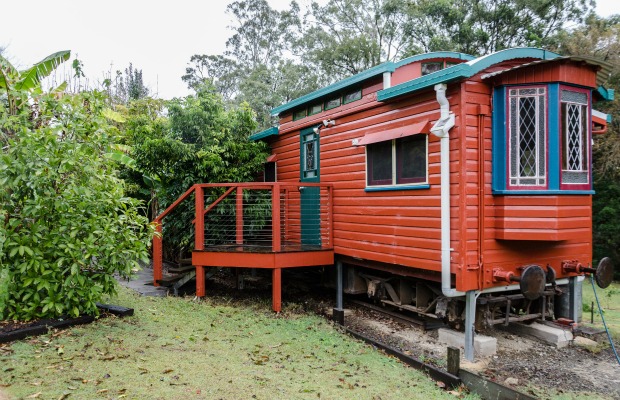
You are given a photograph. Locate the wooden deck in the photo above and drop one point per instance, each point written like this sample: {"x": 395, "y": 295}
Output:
{"x": 294, "y": 236}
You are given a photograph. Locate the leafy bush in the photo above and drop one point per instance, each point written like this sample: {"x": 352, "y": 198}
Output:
{"x": 66, "y": 226}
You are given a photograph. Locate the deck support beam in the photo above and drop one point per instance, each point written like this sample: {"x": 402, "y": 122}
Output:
{"x": 200, "y": 281}
{"x": 338, "y": 312}
{"x": 276, "y": 289}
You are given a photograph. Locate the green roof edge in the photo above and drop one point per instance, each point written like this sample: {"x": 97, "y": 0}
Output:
{"x": 435, "y": 54}
{"x": 273, "y": 131}
{"x": 334, "y": 87}
{"x": 464, "y": 70}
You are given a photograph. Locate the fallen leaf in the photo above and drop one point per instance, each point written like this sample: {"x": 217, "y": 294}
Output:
{"x": 34, "y": 396}
{"x": 36, "y": 383}
{"x": 167, "y": 371}
{"x": 102, "y": 391}
{"x": 441, "y": 384}
{"x": 63, "y": 396}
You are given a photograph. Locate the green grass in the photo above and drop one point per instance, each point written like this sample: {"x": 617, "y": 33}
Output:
{"x": 610, "y": 302}
{"x": 175, "y": 348}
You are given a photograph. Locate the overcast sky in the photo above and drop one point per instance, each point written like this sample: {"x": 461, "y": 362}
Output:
{"x": 157, "y": 36}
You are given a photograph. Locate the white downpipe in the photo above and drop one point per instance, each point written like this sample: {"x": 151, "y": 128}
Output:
{"x": 441, "y": 129}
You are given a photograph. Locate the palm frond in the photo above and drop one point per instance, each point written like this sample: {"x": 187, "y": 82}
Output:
{"x": 32, "y": 76}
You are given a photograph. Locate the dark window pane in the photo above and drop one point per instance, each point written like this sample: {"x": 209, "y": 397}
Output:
{"x": 315, "y": 109}
{"x": 299, "y": 115}
{"x": 379, "y": 163}
{"x": 411, "y": 159}
{"x": 333, "y": 103}
{"x": 352, "y": 96}
{"x": 430, "y": 67}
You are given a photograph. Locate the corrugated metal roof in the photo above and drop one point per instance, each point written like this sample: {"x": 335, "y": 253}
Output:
{"x": 601, "y": 76}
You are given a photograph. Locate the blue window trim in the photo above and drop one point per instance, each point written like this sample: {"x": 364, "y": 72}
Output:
{"x": 541, "y": 192}
{"x": 500, "y": 149}
{"x": 395, "y": 187}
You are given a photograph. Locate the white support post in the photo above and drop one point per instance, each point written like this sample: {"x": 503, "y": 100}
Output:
{"x": 470, "y": 319}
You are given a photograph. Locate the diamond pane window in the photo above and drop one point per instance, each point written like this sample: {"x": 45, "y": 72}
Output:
{"x": 575, "y": 137}
{"x": 527, "y": 145}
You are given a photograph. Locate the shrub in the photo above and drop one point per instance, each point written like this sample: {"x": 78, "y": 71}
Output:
{"x": 66, "y": 226}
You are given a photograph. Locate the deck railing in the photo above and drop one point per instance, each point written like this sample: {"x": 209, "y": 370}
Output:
{"x": 251, "y": 217}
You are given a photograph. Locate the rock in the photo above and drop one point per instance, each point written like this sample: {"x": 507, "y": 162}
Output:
{"x": 586, "y": 343}
{"x": 511, "y": 382}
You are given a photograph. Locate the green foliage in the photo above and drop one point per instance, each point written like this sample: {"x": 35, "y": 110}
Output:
{"x": 66, "y": 225}
{"x": 600, "y": 38}
{"x": 481, "y": 27}
{"x": 206, "y": 143}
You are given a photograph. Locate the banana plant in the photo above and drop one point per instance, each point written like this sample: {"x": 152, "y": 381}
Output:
{"x": 12, "y": 80}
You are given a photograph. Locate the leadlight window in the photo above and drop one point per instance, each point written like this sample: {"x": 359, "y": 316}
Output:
{"x": 575, "y": 137}
{"x": 527, "y": 137}
{"x": 397, "y": 162}
{"x": 310, "y": 155}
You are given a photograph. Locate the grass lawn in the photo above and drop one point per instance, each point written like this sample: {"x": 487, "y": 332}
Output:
{"x": 175, "y": 348}
{"x": 610, "y": 302}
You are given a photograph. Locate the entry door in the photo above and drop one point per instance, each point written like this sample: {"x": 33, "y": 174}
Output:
{"x": 310, "y": 196}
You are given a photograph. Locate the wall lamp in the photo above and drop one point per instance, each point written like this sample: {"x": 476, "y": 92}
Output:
{"x": 326, "y": 123}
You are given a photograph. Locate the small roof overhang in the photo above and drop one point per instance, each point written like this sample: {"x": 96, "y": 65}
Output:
{"x": 604, "y": 68}
{"x": 395, "y": 133}
{"x": 273, "y": 131}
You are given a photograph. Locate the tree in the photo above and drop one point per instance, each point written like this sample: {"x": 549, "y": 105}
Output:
{"x": 206, "y": 142}
{"x": 600, "y": 38}
{"x": 66, "y": 225}
{"x": 346, "y": 37}
{"x": 16, "y": 85}
{"x": 481, "y": 27}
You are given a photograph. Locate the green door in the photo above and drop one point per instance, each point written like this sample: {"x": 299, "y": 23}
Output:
{"x": 310, "y": 196}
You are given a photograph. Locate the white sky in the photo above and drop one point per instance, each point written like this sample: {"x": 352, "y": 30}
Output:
{"x": 157, "y": 36}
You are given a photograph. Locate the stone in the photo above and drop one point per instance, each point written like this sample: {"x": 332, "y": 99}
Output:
{"x": 557, "y": 337}
{"x": 511, "y": 382}
{"x": 586, "y": 343}
{"x": 484, "y": 346}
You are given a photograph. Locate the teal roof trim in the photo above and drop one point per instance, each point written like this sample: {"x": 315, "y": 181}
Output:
{"x": 606, "y": 94}
{"x": 335, "y": 87}
{"x": 273, "y": 131}
{"x": 436, "y": 54}
{"x": 464, "y": 70}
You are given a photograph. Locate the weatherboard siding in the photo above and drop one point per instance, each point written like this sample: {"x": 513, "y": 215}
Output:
{"x": 396, "y": 227}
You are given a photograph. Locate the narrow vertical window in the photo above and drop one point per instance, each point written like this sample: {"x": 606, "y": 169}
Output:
{"x": 527, "y": 142}
{"x": 575, "y": 137}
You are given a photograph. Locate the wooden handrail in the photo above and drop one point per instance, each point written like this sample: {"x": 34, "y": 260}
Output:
{"x": 173, "y": 205}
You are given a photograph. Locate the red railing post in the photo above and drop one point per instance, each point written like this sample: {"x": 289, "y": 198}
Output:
{"x": 158, "y": 254}
{"x": 330, "y": 215}
{"x": 276, "y": 228}
{"x": 239, "y": 215}
{"x": 199, "y": 238}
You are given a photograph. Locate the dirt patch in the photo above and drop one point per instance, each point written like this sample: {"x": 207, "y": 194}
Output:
{"x": 523, "y": 363}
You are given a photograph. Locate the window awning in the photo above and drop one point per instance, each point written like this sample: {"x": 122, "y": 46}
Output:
{"x": 272, "y": 158}
{"x": 395, "y": 133}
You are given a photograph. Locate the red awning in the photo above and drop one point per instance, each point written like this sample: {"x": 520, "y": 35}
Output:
{"x": 272, "y": 158}
{"x": 395, "y": 133}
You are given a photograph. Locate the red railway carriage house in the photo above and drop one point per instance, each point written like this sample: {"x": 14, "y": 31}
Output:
{"x": 455, "y": 187}
{"x": 454, "y": 177}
